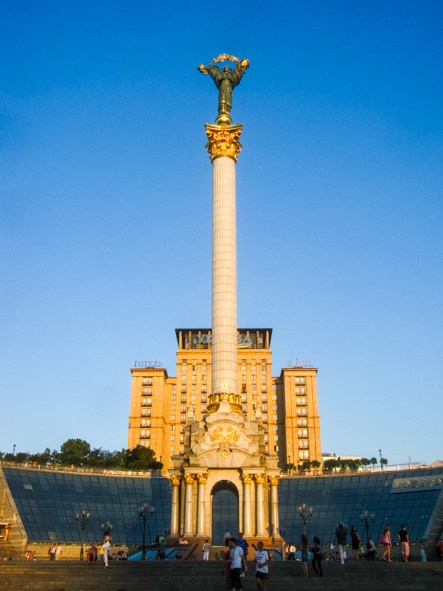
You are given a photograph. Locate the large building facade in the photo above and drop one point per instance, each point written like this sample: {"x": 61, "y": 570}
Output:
{"x": 160, "y": 404}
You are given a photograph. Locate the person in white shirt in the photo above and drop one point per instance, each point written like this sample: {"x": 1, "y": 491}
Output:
{"x": 262, "y": 559}
{"x": 206, "y": 548}
{"x": 237, "y": 559}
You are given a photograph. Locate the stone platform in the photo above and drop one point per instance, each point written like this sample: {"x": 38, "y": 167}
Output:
{"x": 195, "y": 576}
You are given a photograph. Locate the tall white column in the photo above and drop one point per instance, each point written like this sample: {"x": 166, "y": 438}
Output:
{"x": 247, "y": 518}
{"x": 223, "y": 146}
{"x": 188, "y": 505}
{"x": 274, "y": 505}
{"x": 175, "y": 505}
{"x": 201, "y": 505}
{"x": 260, "y": 479}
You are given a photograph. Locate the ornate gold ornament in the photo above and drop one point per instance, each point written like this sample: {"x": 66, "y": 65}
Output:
{"x": 259, "y": 478}
{"x": 224, "y": 435}
{"x": 224, "y": 453}
{"x": 190, "y": 478}
{"x": 175, "y": 480}
{"x": 223, "y": 140}
{"x": 247, "y": 478}
{"x": 274, "y": 480}
{"x": 202, "y": 478}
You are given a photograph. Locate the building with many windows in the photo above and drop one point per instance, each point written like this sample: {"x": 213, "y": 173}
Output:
{"x": 160, "y": 404}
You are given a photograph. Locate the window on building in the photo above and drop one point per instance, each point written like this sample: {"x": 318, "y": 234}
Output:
{"x": 183, "y": 419}
{"x": 182, "y": 429}
{"x": 149, "y": 390}
{"x": 148, "y": 412}
{"x": 194, "y": 397}
{"x": 264, "y": 398}
{"x": 183, "y": 388}
{"x": 204, "y": 377}
{"x": 275, "y": 427}
{"x": 265, "y": 408}
{"x": 264, "y": 388}
{"x": 173, "y": 396}
{"x": 173, "y": 386}
{"x": 172, "y": 448}
{"x": 274, "y": 418}
{"x": 184, "y": 367}
{"x": 263, "y": 367}
{"x": 183, "y": 407}
{"x": 182, "y": 439}
{"x": 243, "y": 377}
{"x": 143, "y": 411}
{"x": 267, "y": 448}
{"x": 275, "y": 447}
{"x": 244, "y": 398}
{"x": 243, "y": 407}
{"x": 172, "y": 406}
{"x": 172, "y": 437}
{"x": 243, "y": 388}
{"x": 142, "y": 432}
{"x": 263, "y": 378}
{"x": 203, "y": 408}
{"x": 265, "y": 418}
{"x": 172, "y": 417}
{"x": 275, "y": 437}
{"x": 143, "y": 423}
{"x": 172, "y": 427}
{"x": 203, "y": 397}
{"x": 274, "y": 386}
{"x": 144, "y": 391}
{"x": 184, "y": 377}
{"x": 266, "y": 438}
{"x": 183, "y": 398}
{"x": 148, "y": 433}
{"x": 148, "y": 422}
{"x": 204, "y": 366}
{"x": 194, "y": 377}
{"x": 274, "y": 407}
{"x": 254, "y": 377}
{"x": 182, "y": 449}
{"x": 145, "y": 381}
{"x": 253, "y": 367}
{"x": 254, "y": 386}
{"x": 274, "y": 397}
{"x": 194, "y": 368}
{"x": 204, "y": 388}
{"x": 243, "y": 367}
{"x": 194, "y": 386}
{"x": 149, "y": 401}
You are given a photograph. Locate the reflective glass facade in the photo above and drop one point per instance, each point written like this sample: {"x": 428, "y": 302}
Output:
{"x": 342, "y": 499}
{"x": 48, "y": 502}
{"x": 224, "y": 515}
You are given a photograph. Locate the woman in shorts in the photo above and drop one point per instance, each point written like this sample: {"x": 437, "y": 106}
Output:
{"x": 386, "y": 541}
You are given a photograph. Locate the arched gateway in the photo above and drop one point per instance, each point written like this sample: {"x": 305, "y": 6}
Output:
{"x": 225, "y": 511}
{"x": 224, "y": 479}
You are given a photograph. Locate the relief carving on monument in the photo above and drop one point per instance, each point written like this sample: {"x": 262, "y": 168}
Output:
{"x": 175, "y": 480}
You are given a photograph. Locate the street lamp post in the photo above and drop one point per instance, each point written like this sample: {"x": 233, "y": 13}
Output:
{"x": 365, "y": 518}
{"x": 106, "y": 527}
{"x": 305, "y": 515}
{"x": 84, "y": 518}
{"x": 145, "y": 512}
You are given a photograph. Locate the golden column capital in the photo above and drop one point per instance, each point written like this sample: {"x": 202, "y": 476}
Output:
{"x": 190, "y": 478}
{"x": 274, "y": 480}
{"x": 223, "y": 140}
{"x": 247, "y": 478}
{"x": 259, "y": 478}
{"x": 175, "y": 480}
{"x": 202, "y": 478}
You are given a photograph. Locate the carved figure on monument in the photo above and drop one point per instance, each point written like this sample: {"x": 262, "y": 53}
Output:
{"x": 225, "y": 80}
{"x": 189, "y": 478}
{"x": 175, "y": 480}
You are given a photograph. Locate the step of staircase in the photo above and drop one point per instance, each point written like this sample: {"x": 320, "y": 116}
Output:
{"x": 44, "y": 575}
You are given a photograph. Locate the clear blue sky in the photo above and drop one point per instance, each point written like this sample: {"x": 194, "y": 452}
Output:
{"x": 106, "y": 207}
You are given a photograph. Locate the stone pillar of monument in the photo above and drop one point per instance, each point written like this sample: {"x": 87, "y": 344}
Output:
{"x": 201, "y": 506}
{"x": 189, "y": 478}
{"x": 175, "y": 505}
{"x": 260, "y": 480}
{"x": 247, "y": 515}
{"x": 223, "y": 146}
{"x": 274, "y": 506}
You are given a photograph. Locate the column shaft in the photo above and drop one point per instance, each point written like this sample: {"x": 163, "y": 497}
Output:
{"x": 201, "y": 509}
{"x": 188, "y": 510}
{"x": 274, "y": 510}
{"x": 260, "y": 511}
{"x": 247, "y": 526}
{"x": 224, "y": 277}
{"x": 174, "y": 511}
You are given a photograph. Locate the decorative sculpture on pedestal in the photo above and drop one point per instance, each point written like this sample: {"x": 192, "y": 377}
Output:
{"x": 225, "y": 80}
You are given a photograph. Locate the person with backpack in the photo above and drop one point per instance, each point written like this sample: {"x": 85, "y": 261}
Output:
{"x": 262, "y": 559}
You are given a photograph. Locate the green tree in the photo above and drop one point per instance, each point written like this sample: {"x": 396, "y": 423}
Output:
{"x": 383, "y": 462}
{"x": 365, "y": 462}
{"x": 74, "y": 451}
{"x": 373, "y": 461}
{"x": 306, "y": 466}
{"x": 42, "y": 458}
{"x": 315, "y": 464}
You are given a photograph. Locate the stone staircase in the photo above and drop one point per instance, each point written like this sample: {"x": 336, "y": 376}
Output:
{"x": 22, "y": 575}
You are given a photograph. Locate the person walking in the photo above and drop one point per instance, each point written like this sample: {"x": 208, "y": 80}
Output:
{"x": 404, "y": 543}
{"x": 316, "y": 558}
{"x": 387, "y": 543}
{"x": 262, "y": 559}
{"x": 237, "y": 560}
{"x": 423, "y": 551}
{"x": 52, "y": 551}
{"x": 304, "y": 554}
{"x": 372, "y": 551}
{"x": 355, "y": 539}
{"x": 227, "y": 537}
{"x": 227, "y": 569}
{"x": 206, "y": 548}
{"x": 106, "y": 545}
{"x": 340, "y": 539}
{"x": 58, "y": 551}
{"x": 244, "y": 546}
